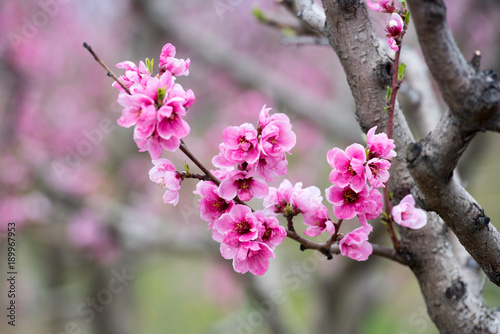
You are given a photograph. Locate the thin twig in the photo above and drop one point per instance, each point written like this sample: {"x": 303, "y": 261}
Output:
{"x": 110, "y": 73}
{"x": 382, "y": 251}
{"x": 333, "y": 238}
{"x": 205, "y": 170}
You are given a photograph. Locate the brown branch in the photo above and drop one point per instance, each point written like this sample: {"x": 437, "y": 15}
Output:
{"x": 195, "y": 160}
{"x": 473, "y": 99}
{"x": 429, "y": 254}
{"x": 464, "y": 89}
{"x": 110, "y": 73}
{"x": 378, "y": 250}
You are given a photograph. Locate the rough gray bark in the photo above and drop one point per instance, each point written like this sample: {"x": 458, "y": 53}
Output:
{"x": 473, "y": 98}
{"x": 446, "y": 290}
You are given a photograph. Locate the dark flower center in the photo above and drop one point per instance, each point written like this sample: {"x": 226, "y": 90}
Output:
{"x": 267, "y": 233}
{"x": 244, "y": 183}
{"x": 243, "y": 227}
{"x": 220, "y": 205}
{"x": 350, "y": 196}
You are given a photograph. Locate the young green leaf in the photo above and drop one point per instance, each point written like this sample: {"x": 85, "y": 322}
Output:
{"x": 389, "y": 93}
{"x": 401, "y": 71}
{"x": 149, "y": 64}
{"x": 259, "y": 14}
{"x": 161, "y": 94}
{"x": 407, "y": 18}
{"x": 186, "y": 166}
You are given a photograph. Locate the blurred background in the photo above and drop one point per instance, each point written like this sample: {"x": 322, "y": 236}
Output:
{"x": 97, "y": 250}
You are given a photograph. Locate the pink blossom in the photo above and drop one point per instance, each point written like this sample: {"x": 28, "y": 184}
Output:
{"x": 178, "y": 67}
{"x": 373, "y": 204}
{"x": 243, "y": 184}
{"x": 240, "y": 144}
{"x": 346, "y": 202}
{"x": 265, "y": 118}
{"x": 379, "y": 145}
{"x": 395, "y": 25}
{"x": 355, "y": 244}
{"x": 270, "y": 231}
{"x": 178, "y": 91}
{"x": 305, "y": 200}
{"x": 233, "y": 228}
{"x": 276, "y": 135}
{"x": 254, "y": 257}
{"x": 221, "y": 173}
{"x": 136, "y": 107}
{"x": 298, "y": 200}
{"x": 151, "y": 86}
{"x": 406, "y": 214}
{"x": 348, "y": 167}
{"x": 212, "y": 206}
{"x": 278, "y": 198}
{"x": 155, "y": 144}
{"x": 170, "y": 121}
{"x": 377, "y": 172}
{"x": 133, "y": 75}
{"x": 384, "y": 6}
{"x": 270, "y": 166}
{"x": 165, "y": 175}
{"x": 318, "y": 221}
{"x": 393, "y": 44}
{"x": 372, "y": 207}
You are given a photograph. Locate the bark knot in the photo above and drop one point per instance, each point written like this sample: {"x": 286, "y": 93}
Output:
{"x": 481, "y": 220}
{"x": 413, "y": 152}
{"x": 456, "y": 290}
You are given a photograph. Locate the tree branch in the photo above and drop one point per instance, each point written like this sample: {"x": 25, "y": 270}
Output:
{"x": 429, "y": 254}
{"x": 311, "y": 14}
{"x": 469, "y": 93}
{"x": 378, "y": 250}
{"x": 473, "y": 98}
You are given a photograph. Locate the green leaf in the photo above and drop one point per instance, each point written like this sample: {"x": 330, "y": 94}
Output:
{"x": 407, "y": 18}
{"x": 386, "y": 110}
{"x": 161, "y": 94}
{"x": 186, "y": 166}
{"x": 389, "y": 93}
{"x": 401, "y": 71}
{"x": 149, "y": 64}
{"x": 403, "y": 3}
{"x": 259, "y": 14}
